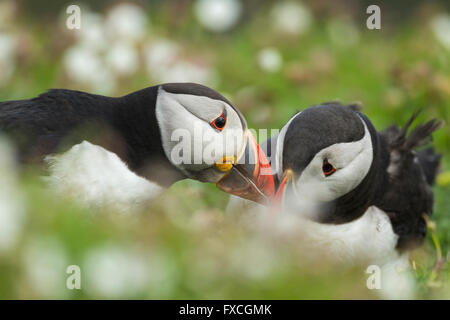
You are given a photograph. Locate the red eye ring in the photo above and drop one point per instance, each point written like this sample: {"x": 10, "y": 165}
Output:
{"x": 220, "y": 122}
{"x": 328, "y": 168}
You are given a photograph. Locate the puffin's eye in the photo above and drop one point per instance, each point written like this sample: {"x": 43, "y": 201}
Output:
{"x": 220, "y": 122}
{"x": 327, "y": 168}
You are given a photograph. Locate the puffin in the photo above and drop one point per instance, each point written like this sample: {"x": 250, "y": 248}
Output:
{"x": 122, "y": 152}
{"x": 358, "y": 194}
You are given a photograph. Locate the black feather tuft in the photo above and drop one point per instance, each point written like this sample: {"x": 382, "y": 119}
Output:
{"x": 419, "y": 136}
{"x": 408, "y": 193}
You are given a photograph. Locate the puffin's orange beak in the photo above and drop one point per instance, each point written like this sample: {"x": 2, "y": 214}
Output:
{"x": 251, "y": 177}
{"x": 279, "y": 195}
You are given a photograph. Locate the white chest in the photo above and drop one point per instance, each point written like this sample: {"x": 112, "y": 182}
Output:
{"x": 98, "y": 178}
{"x": 369, "y": 238}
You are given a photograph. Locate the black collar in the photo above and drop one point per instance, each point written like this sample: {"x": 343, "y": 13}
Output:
{"x": 135, "y": 120}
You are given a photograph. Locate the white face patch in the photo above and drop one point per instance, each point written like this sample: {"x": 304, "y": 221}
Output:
{"x": 189, "y": 140}
{"x": 352, "y": 162}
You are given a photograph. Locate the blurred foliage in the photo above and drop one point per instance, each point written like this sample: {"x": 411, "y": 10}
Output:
{"x": 199, "y": 251}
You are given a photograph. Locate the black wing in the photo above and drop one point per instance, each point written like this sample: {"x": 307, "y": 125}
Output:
{"x": 408, "y": 196}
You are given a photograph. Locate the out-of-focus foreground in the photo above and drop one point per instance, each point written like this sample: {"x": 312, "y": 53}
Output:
{"x": 270, "y": 58}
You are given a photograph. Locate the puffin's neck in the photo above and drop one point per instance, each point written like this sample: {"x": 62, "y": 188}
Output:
{"x": 135, "y": 119}
{"x": 355, "y": 203}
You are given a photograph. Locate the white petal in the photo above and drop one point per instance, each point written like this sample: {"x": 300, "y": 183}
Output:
{"x": 270, "y": 60}
{"x": 218, "y": 15}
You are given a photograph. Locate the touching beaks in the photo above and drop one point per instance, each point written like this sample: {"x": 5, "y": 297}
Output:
{"x": 278, "y": 199}
{"x": 251, "y": 177}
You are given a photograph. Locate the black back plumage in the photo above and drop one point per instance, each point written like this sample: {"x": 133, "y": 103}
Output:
{"x": 38, "y": 125}
{"x": 429, "y": 161}
{"x": 408, "y": 194}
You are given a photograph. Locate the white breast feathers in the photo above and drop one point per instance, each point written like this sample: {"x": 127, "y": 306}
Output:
{"x": 98, "y": 178}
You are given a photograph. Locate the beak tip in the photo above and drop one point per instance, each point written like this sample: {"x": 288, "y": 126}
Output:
{"x": 254, "y": 182}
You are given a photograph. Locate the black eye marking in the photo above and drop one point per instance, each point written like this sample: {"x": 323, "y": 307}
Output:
{"x": 328, "y": 168}
{"x": 220, "y": 122}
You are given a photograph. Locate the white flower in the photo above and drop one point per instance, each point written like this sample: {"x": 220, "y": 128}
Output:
{"x": 114, "y": 272}
{"x": 165, "y": 65}
{"x": 92, "y": 31}
{"x": 83, "y": 64}
{"x": 126, "y": 21}
{"x": 270, "y": 60}
{"x": 441, "y": 29}
{"x": 123, "y": 58}
{"x": 45, "y": 265}
{"x": 159, "y": 55}
{"x": 186, "y": 71}
{"x": 7, "y": 60}
{"x": 12, "y": 211}
{"x": 397, "y": 280}
{"x": 218, "y": 15}
{"x": 291, "y": 17}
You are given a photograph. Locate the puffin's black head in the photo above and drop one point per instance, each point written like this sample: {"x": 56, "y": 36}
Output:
{"x": 325, "y": 160}
{"x": 205, "y": 137}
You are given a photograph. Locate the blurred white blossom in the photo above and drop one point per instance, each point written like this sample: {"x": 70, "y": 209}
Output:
{"x": 123, "y": 58}
{"x": 291, "y": 17}
{"x": 218, "y": 15}
{"x": 45, "y": 264}
{"x": 85, "y": 65}
{"x": 127, "y": 21}
{"x": 441, "y": 29}
{"x": 160, "y": 55}
{"x": 8, "y": 46}
{"x": 397, "y": 280}
{"x": 81, "y": 63}
{"x": 12, "y": 211}
{"x": 84, "y": 62}
{"x": 165, "y": 63}
{"x": 270, "y": 60}
{"x": 106, "y": 48}
{"x": 92, "y": 31}
{"x": 187, "y": 71}
{"x": 114, "y": 272}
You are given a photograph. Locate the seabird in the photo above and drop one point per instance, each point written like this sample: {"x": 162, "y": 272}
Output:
{"x": 358, "y": 194}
